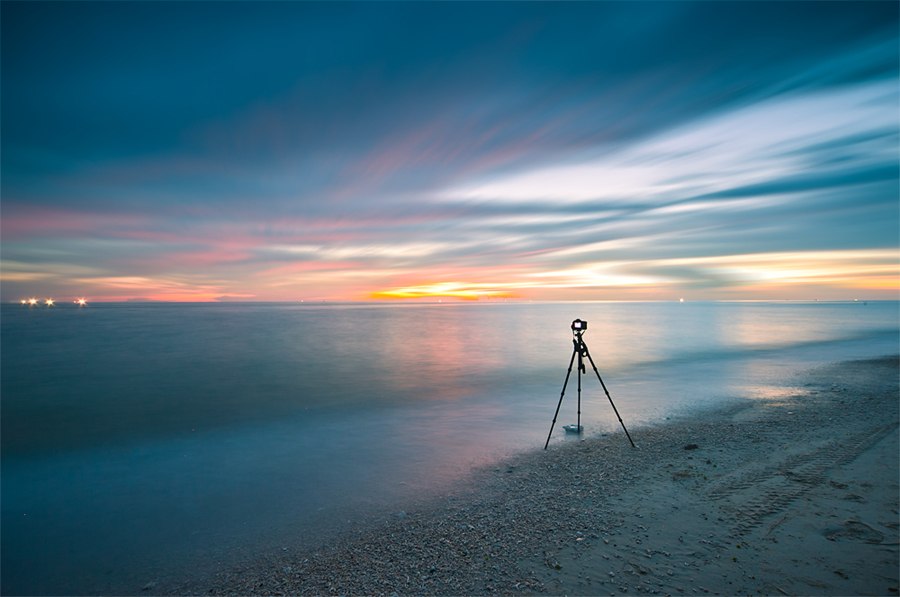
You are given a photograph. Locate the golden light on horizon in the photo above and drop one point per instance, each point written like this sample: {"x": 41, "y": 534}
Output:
{"x": 845, "y": 275}
{"x": 466, "y": 292}
{"x": 772, "y": 274}
{"x": 49, "y": 302}
{"x": 869, "y": 269}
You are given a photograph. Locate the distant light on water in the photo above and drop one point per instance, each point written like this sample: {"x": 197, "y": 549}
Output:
{"x": 50, "y": 302}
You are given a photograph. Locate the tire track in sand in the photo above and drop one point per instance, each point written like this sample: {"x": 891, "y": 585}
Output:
{"x": 786, "y": 481}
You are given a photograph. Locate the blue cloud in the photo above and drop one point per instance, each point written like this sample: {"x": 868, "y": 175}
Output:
{"x": 496, "y": 129}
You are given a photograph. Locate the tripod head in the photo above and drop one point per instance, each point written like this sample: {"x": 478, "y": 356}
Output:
{"x": 579, "y": 327}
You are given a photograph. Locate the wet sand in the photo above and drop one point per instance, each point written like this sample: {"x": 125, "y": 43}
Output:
{"x": 790, "y": 496}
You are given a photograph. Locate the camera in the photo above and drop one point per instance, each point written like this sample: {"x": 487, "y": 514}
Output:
{"x": 579, "y": 325}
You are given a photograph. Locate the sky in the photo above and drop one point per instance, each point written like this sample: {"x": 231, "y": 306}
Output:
{"x": 351, "y": 151}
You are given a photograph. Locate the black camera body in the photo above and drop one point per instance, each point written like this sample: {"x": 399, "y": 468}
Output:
{"x": 579, "y": 326}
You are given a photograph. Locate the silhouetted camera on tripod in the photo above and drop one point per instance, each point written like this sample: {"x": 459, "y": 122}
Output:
{"x": 579, "y": 326}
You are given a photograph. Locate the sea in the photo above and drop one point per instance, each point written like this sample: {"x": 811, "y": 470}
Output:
{"x": 143, "y": 443}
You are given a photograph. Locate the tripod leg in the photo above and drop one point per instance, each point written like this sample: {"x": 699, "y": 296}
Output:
{"x": 580, "y": 369}
{"x": 561, "y": 394}
{"x": 615, "y": 410}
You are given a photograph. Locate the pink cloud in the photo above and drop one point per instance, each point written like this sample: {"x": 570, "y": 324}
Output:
{"x": 308, "y": 266}
{"x": 19, "y": 223}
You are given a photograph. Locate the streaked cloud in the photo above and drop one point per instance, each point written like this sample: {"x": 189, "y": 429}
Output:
{"x": 747, "y": 149}
{"x": 584, "y": 150}
{"x": 758, "y": 275}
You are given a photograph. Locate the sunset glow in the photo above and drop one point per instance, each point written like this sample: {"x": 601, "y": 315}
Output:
{"x": 463, "y": 151}
{"x": 467, "y": 292}
{"x": 776, "y": 273}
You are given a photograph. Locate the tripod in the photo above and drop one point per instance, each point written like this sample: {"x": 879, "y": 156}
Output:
{"x": 579, "y": 327}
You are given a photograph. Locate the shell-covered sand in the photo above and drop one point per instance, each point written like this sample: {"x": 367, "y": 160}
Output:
{"x": 796, "y": 495}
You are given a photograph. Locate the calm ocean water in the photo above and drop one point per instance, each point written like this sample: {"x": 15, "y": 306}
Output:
{"x": 141, "y": 442}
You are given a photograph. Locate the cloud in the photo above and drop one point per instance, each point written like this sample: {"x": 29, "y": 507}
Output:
{"x": 297, "y": 150}
{"x": 784, "y": 273}
{"x": 726, "y": 153}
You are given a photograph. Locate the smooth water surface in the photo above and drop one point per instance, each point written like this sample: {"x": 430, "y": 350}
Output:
{"x": 142, "y": 442}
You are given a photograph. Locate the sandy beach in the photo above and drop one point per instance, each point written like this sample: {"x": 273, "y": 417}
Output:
{"x": 793, "y": 495}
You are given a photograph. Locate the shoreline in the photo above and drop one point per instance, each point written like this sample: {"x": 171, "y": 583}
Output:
{"x": 791, "y": 495}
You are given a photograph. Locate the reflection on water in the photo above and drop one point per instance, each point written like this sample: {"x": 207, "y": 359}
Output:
{"x": 138, "y": 440}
